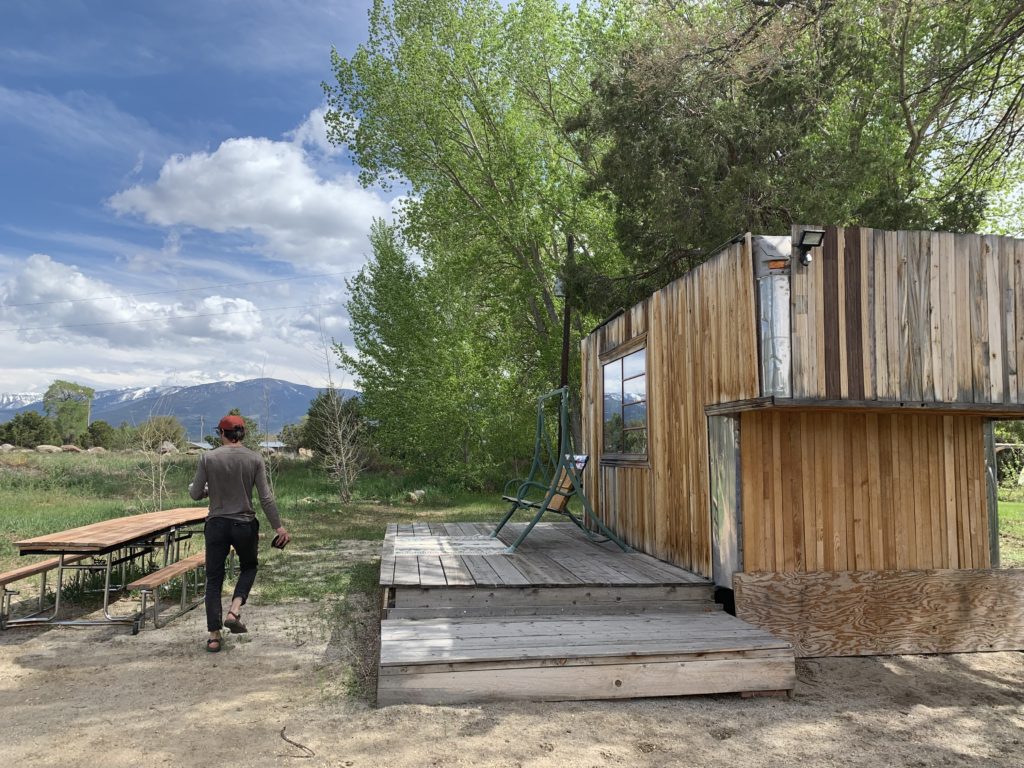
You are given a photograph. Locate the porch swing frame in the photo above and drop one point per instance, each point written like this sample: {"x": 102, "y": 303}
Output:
{"x": 560, "y": 480}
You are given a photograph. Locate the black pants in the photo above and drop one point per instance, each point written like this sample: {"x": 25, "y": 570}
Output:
{"x": 221, "y": 535}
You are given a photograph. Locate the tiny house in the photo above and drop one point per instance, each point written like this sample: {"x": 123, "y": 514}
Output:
{"x": 811, "y": 428}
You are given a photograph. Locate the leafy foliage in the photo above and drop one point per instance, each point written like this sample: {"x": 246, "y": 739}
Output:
{"x": 101, "y": 435}
{"x": 456, "y": 323}
{"x": 738, "y": 115}
{"x": 435, "y": 376}
{"x": 159, "y": 429}
{"x": 29, "y": 429}
{"x": 68, "y": 405}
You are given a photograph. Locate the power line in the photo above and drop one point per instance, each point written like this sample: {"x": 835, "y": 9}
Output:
{"x": 178, "y": 290}
{"x": 171, "y": 317}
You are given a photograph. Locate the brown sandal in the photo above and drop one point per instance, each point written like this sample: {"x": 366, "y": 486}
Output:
{"x": 213, "y": 645}
{"x": 235, "y": 624}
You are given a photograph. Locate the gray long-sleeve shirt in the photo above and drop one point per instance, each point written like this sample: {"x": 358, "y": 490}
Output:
{"x": 230, "y": 472}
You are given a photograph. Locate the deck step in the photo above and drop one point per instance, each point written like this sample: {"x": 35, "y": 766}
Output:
{"x": 485, "y": 601}
{"x": 637, "y": 607}
{"x": 552, "y": 658}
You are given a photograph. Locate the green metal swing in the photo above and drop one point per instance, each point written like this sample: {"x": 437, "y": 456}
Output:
{"x": 557, "y": 475}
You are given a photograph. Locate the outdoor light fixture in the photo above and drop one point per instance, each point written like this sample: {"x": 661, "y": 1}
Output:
{"x": 809, "y": 238}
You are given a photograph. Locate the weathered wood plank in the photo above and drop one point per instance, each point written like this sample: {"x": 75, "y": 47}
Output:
{"x": 830, "y": 319}
{"x": 890, "y": 612}
{"x": 608, "y": 681}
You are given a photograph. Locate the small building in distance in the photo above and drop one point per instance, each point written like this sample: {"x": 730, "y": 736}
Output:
{"x": 812, "y": 429}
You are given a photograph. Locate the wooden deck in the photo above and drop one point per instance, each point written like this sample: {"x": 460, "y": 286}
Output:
{"x": 561, "y": 618}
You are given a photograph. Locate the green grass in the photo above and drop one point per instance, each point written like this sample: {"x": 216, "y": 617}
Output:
{"x": 1011, "y": 534}
{"x": 44, "y": 493}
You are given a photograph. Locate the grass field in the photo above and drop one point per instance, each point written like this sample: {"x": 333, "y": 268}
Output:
{"x": 45, "y": 493}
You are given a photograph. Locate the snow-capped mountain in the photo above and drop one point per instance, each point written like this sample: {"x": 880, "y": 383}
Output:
{"x": 15, "y": 400}
{"x": 271, "y": 402}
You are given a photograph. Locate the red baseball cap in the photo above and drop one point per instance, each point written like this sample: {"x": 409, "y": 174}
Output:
{"x": 231, "y": 422}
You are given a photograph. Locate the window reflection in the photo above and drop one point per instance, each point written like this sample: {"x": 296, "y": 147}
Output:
{"x": 625, "y": 405}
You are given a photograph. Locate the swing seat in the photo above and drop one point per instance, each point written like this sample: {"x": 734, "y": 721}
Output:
{"x": 563, "y": 491}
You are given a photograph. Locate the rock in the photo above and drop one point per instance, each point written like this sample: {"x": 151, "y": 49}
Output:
{"x": 415, "y": 497}
{"x": 47, "y": 449}
{"x": 6, "y": 448}
{"x": 97, "y": 449}
{"x": 167, "y": 447}
{"x": 71, "y": 449}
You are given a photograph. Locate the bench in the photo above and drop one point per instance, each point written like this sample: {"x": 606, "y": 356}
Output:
{"x": 40, "y": 568}
{"x": 149, "y": 586}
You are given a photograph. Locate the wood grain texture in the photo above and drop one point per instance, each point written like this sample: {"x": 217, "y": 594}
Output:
{"x": 918, "y": 316}
{"x": 862, "y": 491}
{"x": 701, "y": 341}
{"x": 887, "y": 612}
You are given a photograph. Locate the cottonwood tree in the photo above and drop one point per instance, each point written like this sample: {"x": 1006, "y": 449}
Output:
{"x": 437, "y": 377}
{"x": 464, "y": 104}
{"x": 68, "y": 404}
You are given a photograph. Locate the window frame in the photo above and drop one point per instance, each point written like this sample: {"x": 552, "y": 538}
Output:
{"x": 617, "y": 355}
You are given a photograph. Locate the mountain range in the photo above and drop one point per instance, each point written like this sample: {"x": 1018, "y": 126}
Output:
{"x": 270, "y": 402}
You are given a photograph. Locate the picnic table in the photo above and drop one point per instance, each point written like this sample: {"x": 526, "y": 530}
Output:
{"x": 107, "y": 544}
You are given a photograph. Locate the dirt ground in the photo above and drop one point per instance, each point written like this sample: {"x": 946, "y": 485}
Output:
{"x": 101, "y": 697}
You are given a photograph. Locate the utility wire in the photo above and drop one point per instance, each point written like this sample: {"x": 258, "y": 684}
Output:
{"x": 178, "y": 290}
{"x": 170, "y": 317}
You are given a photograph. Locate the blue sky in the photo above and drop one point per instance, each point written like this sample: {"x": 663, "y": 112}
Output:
{"x": 170, "y": 209}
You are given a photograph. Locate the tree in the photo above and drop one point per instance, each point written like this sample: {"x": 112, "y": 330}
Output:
{"x": 738, "y": 115}
{"x": 438, "y": 379}
{"x": 334, "y": 430}
{"x": 157, "y": 430}
{"x": 29, "y": 429}
{"x": 101, "y": 434}
{"x": 68, "y": 405}
{"x": 465, "y": 103}
{"x": 292, "y": 435}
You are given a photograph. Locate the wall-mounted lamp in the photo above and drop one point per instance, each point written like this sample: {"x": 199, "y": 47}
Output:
{"x": 809, "y": 238}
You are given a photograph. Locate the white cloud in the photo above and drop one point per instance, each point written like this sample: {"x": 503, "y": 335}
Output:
{"x": 49, "y": 300}
{"x": 312, "y": 134}
{"x": 135, "y": 341}
{"x": 267, "y": 188}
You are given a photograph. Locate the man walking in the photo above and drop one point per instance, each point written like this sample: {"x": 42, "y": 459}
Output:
{"x": 227, "y": 475}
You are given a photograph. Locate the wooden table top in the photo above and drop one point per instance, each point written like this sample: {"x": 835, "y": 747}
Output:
{"x": 109, "y": 534}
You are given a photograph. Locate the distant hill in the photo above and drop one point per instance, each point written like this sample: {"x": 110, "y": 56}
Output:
{"x": 198, "y": 408}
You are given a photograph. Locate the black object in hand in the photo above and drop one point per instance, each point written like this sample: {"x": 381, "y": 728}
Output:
{"x": 279, "y": 542}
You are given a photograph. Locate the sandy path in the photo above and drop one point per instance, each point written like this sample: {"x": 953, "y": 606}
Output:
{"x": 104, "y": 698}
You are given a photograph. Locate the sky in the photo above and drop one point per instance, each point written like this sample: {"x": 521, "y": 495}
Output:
{"x": 171, "y": 212}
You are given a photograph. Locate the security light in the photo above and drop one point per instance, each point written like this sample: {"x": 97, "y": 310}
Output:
{"x": 809, "y": 238}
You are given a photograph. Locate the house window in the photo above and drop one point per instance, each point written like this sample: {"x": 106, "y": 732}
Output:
{"x": 625, "y": 405}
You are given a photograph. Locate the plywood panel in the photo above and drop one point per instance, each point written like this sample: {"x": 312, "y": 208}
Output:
{"x": 889, "y": 491}
{"x": 887, "y": 612}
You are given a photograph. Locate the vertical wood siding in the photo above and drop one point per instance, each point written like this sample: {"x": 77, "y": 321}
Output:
{"x": 701, "y": 345}
{"x": 909, "y": 316}
{"x": 830, "y": 491}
